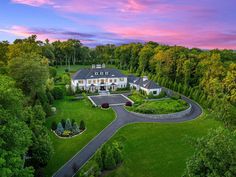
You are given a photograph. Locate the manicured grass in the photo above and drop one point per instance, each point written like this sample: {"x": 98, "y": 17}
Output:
{"x": 164, "y": 106}
{"x": 95, "y": 120}
{"x": 158, "y": 149}
{"x": 136, "y": 97}
{"x": 73, "y": 68}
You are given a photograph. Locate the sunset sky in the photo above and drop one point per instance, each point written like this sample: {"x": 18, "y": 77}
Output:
{"x": 192, "y": 23}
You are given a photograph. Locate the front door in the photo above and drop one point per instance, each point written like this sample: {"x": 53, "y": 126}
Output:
{"x": 102, "y": 88}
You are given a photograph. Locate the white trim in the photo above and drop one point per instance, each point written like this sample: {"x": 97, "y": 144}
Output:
{"x": 128, "y": 98}
{"x": 92, "y": 101}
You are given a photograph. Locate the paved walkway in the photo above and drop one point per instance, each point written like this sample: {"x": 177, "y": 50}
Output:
{"x": 123, "y": 118}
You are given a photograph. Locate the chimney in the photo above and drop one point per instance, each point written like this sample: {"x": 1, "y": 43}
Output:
{"x": 93, "y": 65}
{"x": 103, "y": 65}
{"x": 145, "y": 78}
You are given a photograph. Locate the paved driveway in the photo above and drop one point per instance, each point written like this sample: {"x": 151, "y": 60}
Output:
{"x": 123, "y": 118}
{"x": 116, "y": 99}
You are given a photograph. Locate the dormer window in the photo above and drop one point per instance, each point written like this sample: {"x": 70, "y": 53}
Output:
{"x": 101, "y": 73}
{"x": 96, "y": 73}
{"x": 106, "y": 73}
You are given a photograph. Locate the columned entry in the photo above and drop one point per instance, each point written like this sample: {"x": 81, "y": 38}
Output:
{"x": 102, "y": 88}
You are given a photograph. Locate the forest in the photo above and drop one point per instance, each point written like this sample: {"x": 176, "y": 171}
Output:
{"x": 27, "y": 70}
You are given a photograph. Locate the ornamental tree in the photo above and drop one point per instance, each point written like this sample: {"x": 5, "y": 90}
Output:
{"x": 60, "y": 128}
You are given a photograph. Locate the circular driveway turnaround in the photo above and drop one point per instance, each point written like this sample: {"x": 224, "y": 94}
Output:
{"x": 123, "y": 118}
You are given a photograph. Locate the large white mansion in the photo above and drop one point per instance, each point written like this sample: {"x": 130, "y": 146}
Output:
{"x": 103, "y": 79}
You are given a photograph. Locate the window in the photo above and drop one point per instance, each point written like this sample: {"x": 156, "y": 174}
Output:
{"x": 121, "y": 79}
{"x": 106, "y": 80}
{"x": 80, "y": 81}
{"x": 114, "y": 80}
{"x": 154, "y": 92}
{"x": 106, "y": 73}
{"x": 101, "y": 73}
{"x": 96, "y": 73}
{"x": 110, "y": 81}
{"x": 94, "y": 81}
{"x": 89, "y": 81}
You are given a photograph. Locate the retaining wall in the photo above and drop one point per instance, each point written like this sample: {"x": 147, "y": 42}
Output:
{"x": 164, "y": 116}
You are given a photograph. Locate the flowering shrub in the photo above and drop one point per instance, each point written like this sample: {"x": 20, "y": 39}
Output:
{"x": 128, "y": 103}
{"x": 67, "y": 133}
{"x": 105, "y": 105}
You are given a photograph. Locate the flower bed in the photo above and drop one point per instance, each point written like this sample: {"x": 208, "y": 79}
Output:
{"x": 66, "y": 128}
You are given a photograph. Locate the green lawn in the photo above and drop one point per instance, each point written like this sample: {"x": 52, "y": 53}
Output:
{"x": 95, "y": 120}
{"x": 158, "y": 149}
{"x": 164, "y": 106}
{"x": 136, "y": 97}
{"x": 73, "y": 68}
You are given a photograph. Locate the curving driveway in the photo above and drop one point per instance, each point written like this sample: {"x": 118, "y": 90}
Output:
{"x": 123, "y": 118}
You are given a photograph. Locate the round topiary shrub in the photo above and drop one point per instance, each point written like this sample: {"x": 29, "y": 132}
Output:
{"x": 128, "y": 103}
{"x": 105, "y": 105}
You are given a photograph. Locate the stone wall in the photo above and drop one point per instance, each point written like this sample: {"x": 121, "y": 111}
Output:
{"x": 164, "y": 116}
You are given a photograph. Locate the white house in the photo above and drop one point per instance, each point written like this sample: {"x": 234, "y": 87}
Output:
{"x": 98, "y": 78}
{"x": 142, "y": 83}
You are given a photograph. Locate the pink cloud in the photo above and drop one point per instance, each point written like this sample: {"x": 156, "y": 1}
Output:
{"x": 22, "y": 31}
{"x": 33, "y": 2}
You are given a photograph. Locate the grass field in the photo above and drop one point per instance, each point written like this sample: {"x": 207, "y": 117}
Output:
{"x": 95, "y": 120}
{"x": 164, "y": 106}
{"x": 158, "y": 150}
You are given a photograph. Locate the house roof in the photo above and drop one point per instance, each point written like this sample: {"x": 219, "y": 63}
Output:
{"x": 148, "y": 84}
{"x": 97, "y": 73}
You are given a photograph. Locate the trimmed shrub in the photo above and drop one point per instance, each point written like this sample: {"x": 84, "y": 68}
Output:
{"x": 63, "y": 122}
{"x": 58, "y": 92}
{"x": 105, "y": 105}
{"x": 54, "y": 125}
{"x": 75, "y": 128}
{"x": 68, "y": 125}
{"x": 66, "y": 133}
{"x": 82, "y": 125}
{"x": 128, "y": 103}
{"x": 59, "y": 129}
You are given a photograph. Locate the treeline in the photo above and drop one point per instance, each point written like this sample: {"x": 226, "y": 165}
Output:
{"x": 68, "y": 52}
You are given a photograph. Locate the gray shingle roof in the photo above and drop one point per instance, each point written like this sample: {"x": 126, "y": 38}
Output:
{"x": 97, "y": 73}
{"x": 148, "y": 84}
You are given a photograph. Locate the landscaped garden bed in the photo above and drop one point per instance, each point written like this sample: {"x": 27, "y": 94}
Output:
{"x": 165, "y": 106}
{"x": 95, "y": 119}
{"x": 66, "y": 128}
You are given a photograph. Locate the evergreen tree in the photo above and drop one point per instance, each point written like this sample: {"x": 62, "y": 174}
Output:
{"x": 180, "y": 88}
{"x": 82, "y": 125}
{"x": 54, "y": 125}
{"x": 60, "y": 128}
{"x": 68, "y": 125}
{"x": 98, "y": 159}
{"x": 63, "y": 122}
{"x": 109, "y": 161}
{"x": 117, "y": 155}
{"x": 75, "y": 128}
